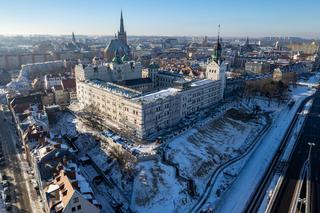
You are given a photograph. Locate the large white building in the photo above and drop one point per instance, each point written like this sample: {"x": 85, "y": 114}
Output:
{"x": 145, "y": 107}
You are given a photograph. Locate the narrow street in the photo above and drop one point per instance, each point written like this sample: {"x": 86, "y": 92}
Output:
{"x": 22, "y": 194}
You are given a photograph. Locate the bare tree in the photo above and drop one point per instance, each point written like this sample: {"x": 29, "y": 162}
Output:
{"x": 92, "y": 117}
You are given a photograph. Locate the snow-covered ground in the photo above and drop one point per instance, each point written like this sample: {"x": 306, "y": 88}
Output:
{"x": 234, "y": 200}
{"x": 197, "y": 153}
{"x": 156, "y": 189}
{"x": 64, "y": 124}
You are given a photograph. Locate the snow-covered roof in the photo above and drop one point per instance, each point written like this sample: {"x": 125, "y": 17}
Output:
{"x": 52, "y": 187}
{"x": 162, "y": 94}
{"x": 201, "y": 82}
{"x": 114, "y": 88}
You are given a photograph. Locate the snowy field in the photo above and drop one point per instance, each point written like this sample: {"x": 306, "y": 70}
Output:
{"x": 156, "y": 189}
{"x": 199, "y": 151}
{"x": 196, "y": 153}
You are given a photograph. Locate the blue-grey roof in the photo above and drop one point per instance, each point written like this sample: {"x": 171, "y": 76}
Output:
{"x": 116, "y": 44}
{"x": 137, "y": 81}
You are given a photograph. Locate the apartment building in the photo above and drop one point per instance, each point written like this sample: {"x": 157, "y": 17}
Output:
{"x": 145, "y": 114}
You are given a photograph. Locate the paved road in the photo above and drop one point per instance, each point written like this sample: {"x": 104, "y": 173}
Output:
{"x": 310, "y": 133}
{"x": 19, "y": 181}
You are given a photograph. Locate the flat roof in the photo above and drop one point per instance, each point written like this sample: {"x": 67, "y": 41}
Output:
{"x": 201, "y": 82}
{"x": 117, "y": 89}
{"x": 151, "y": 97}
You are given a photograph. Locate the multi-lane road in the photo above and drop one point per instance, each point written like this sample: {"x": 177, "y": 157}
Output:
{"x": 23, "y": 197}
{"x": 298, "y": 192}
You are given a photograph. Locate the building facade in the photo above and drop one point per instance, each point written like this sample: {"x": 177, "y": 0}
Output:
{"x": 145, "y": 107}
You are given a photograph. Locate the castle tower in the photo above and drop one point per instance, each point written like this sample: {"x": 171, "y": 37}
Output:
{"x": 122, "y": 35}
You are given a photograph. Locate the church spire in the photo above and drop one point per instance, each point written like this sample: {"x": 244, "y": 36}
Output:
{"x": 73, "y": 38}
{"x": 121, "y": 24}
{"x": 247, "y": 41}
{"x": 217, "y": 50}
{"x": 218, "y": 34}
{"x": 122, "y": 35}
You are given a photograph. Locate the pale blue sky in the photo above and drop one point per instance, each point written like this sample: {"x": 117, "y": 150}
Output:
{"x": 162, "y": 17}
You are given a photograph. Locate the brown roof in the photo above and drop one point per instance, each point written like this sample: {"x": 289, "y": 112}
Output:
{"x": 69, "y": 84}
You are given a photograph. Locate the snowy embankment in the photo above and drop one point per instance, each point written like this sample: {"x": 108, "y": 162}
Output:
{"x": 196, "y": 154}
{"x": 241, "y": 190}
{"x": 277, "y": 179}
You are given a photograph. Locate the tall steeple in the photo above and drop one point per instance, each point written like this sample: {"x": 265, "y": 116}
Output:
{"x": 73, "y": 38}
{"x": 217, "y": 49}
{"x": 247, "y": 41}
{"x": 121, "y": 24}
{"x": 122, "y": 35}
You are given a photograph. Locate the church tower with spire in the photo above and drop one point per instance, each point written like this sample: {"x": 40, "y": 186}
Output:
{"x": 122, "y": 35}
{"x": 216, "y": 67}
{"x": 217, "y": 50}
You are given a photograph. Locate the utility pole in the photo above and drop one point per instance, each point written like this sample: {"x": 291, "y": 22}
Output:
{"x": 309, "y": 178}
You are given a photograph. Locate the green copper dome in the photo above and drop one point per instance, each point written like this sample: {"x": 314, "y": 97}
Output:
{"x": 125, "y": 58}
{"x": 117, "y": 60}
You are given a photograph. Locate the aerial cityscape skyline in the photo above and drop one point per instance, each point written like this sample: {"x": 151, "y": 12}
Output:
{"x": 159, "y": 106}
{"x": 164, "y": 18}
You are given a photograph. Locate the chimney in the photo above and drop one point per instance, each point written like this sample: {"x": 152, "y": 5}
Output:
{"x": 57, "y": 145}
{"x": 48, "y": 148}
